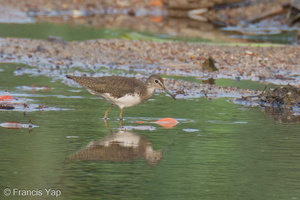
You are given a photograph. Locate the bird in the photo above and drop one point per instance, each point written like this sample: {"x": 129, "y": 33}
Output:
{"x": 121, "y": 91}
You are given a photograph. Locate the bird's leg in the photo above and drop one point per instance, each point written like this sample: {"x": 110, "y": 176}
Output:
{"x": 107, "y": 111}
{"x": 106, "y": 124}
{"x": 121, "y": 123}
{"x": 121, "y": 114}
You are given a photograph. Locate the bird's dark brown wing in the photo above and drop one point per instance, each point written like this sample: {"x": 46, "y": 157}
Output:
{"x": 117, "y": 86}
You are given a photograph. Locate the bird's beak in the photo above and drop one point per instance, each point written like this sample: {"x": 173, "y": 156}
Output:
{"x": 169, "y": 93}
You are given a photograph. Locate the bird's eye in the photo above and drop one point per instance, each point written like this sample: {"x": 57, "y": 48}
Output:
{"x": 156, "y": 81}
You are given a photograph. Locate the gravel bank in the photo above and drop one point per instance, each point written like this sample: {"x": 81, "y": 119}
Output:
{"x": 278, "y": 64}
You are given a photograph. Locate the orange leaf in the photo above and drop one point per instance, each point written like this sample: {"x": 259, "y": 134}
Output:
{"x": 6, "y": 98}
{"x": 166, "y": 122}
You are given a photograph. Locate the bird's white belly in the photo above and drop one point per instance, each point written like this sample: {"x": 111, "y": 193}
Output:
{"x": 122, "y": 102}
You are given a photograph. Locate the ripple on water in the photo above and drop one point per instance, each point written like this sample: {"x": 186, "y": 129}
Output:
{"x": 191, "y": 130}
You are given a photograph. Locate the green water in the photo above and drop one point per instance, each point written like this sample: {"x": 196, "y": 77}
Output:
{"x": 234, "y": 152}
{"x": 289, "y": 37}
{"x": 67, "y": 32}
{"x": 82, "y": 32}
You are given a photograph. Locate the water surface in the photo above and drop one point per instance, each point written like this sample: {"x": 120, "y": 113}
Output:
{"x": 219, "y": 150}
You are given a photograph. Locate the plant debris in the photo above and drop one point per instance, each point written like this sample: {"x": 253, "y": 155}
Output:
{"x": 209, "y": 65}
{"x": 281, "y": 96}
{"x": 282, "y": 102}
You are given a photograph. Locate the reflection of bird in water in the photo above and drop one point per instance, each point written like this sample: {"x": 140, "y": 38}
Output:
{"x": 121, "y": 146}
